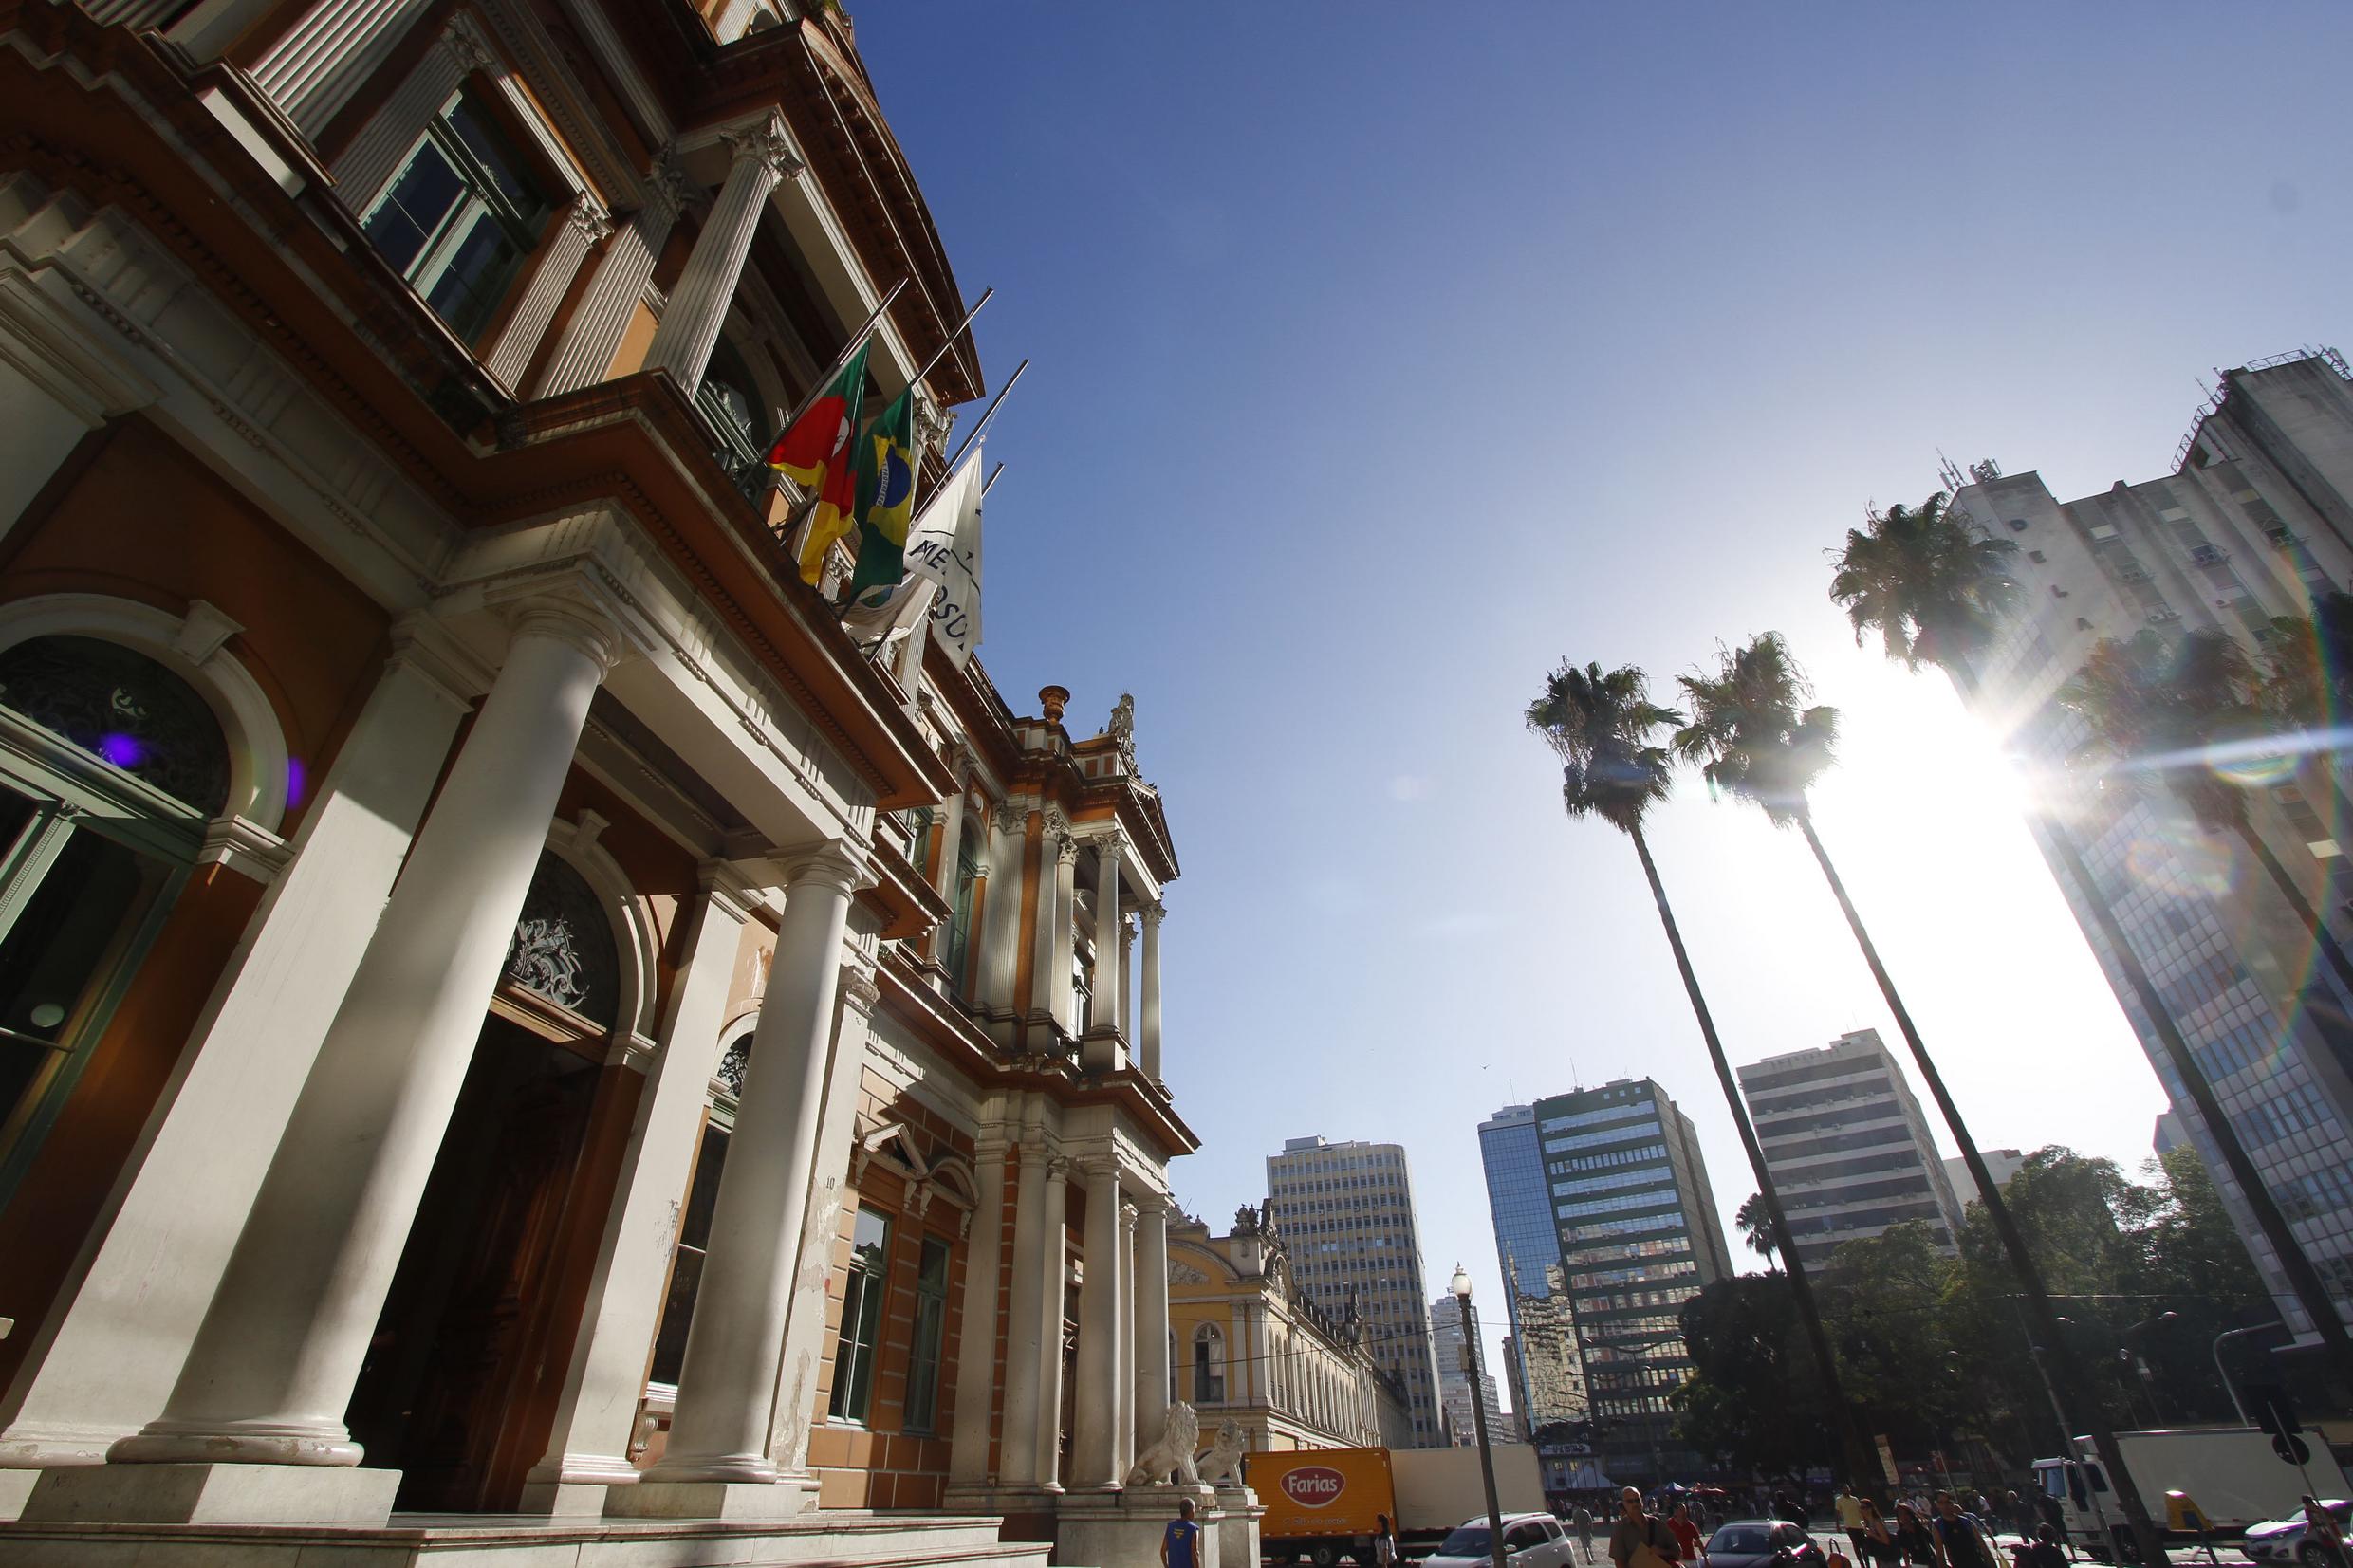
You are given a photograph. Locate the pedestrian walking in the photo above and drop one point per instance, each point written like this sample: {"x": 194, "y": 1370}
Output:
{"x": 1686, "y": 1535}
{"x": 1385, "y": 1542}
{"x": 1641, "y": 1538}
{"x": 1850, "y": 1519}
{"x": 1180, "y": 1543}
{"x": 1963, "y": 1539}
{"x": 2042, "y": 1550}
{"x": 1877, "y": 1549}
{"x": 1916, "y": 1543}
{"x": 1583, "y": 1521}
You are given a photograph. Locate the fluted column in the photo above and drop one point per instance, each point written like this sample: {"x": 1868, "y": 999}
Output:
{"x": 583, "y": 227}
{"x": 323, "y": 59}
{"x": 273, "y": 1366}
{"x": 1025, "y": 1342}
{"x": 1046, "y": 954}
{"x": 977, "y": 1341}
{"x": 689, "y": 325}
{"x": 1123, "y": 1368}
{"x": 1104, "y": 1011}
{"x": 597, "y": 1408}
{"x": 1000, "y": 926}
{"x": 1093, "y": 1448}
{"x": 1056, "y": 1281}
{"x": 1063, "y": 933}
{"x": 592, "y": 335}
{"x": 1149, "y": 1025}
{"x": 720, "y": 1431}
{"x": 367, "y": 165}
{"x": 1152, "y": 1369}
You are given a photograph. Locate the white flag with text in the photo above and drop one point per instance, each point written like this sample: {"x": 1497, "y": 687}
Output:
{"x": 943, "y": 544}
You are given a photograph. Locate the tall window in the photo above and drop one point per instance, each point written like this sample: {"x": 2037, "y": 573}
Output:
{"x": 931, "y": 1332}
{"x": 1209, "y": 1366}
{"x": 686, "y": 1269}
{"x": 462, "y": 214}
{"x": 862, "y": 1316}
{"x": 110, "y": 764}
{"x": 955, "y": 943}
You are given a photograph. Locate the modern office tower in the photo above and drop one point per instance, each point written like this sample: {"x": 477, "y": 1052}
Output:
{"x": 1454, "y": 1376}
{"x": 1847, "y": 1146}
{"x": 2001, "y": 1163}
{"x": 1528, "y": 1250}
{"x": 2254, "y": 521}
{"x": 1346, "y": 1212}
{"x": 2170, "y": 1134}
{"x": 1639, "y": 1237}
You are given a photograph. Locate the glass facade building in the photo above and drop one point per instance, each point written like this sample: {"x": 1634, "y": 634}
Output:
{"x": 1548, "y": 1376}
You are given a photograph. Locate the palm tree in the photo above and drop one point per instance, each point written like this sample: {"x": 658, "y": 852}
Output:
{"x": 1604, "y": 726}
{"x": 2166, "y": 710}
{"x": 1935, "y": 592}
{"x": 1755, "y": 1227}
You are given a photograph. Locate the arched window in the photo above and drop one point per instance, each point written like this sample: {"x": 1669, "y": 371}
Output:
{"x": 1209, "y": 1365}
{"x": 110, "y": 767}
{"x": 564, "y": 952}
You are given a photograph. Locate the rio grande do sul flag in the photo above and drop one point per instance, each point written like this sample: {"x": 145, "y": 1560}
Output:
{"x": 815, "y": 454}
{"x": 885, "y": 499}
{"x": 943, "y": 544}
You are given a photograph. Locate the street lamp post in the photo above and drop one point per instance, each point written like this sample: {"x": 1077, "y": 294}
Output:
{"x": 2228, "y": 1387}
{"x": 1461, "y": 1287}
{"x": 2141, "y": 1365}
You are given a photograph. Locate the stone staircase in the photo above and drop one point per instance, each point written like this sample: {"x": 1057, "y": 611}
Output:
{"x": 835, "y": 1539}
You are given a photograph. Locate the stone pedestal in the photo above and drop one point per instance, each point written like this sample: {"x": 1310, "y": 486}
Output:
{"x": 212, "y": 1494}
{"x": 1237, "y": 1533}
{"x": 735, "y": 1502}
{"x": 1123, "y": 1529}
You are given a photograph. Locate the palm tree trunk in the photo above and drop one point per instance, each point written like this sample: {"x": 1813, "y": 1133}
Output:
{"x": 1861, "y": 1461}
{"x": 2312, "y": 922}
{"x": 2013, "y": 1243}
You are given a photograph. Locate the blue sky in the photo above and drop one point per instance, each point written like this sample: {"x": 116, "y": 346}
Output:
{"x": 1385, "y": 355}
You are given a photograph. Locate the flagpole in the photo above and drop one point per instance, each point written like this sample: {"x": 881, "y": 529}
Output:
{"x": 989, "y": 415}
{"x": 992, "y": 481}
{"x": 948, "y": 342}
{"x": 818, "y": 387}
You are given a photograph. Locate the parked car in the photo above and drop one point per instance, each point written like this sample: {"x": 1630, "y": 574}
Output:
{"x": 1762, "y": 1544}
{"x": 1529, "y": 1540}
{"x": 2281, "y": 1540}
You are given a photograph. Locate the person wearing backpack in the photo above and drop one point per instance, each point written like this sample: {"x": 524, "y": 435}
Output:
{"x": 1641, "y": 1539}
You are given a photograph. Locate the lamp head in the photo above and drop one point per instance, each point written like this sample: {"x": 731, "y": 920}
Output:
{"x": 1460, "y": 1286}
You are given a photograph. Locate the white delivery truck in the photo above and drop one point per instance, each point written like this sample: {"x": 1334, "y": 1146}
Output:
{"x": 2231, "y": 1473}
{"x": 1438, "y": 1489}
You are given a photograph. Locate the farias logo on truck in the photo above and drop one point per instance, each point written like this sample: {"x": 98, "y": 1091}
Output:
{"x": 1314, "y": 1485}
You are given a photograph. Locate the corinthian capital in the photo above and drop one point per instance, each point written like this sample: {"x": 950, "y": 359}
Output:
{"x": 766, "y": 143}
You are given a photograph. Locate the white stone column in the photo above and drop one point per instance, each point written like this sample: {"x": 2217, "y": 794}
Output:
{"x": 1048, "y": 955}
{"x": 274, "y": 1365}
{"x": 583, "y": 227}
{"x": 324, "y": 58}
{"x": 719, "y": 1436}
{"x": 950, "y": 846}
{"x": 689, "y": 325}
{"x": 593, "y": 333}
{"x": 589, "y": 1448}
{"x": 1024, "y": 1337}
{"x": 1093, "y": 1449}
{"x": 368, "y": 164}
{"x": 1000, "y": 925}
{"x": 976, "y": 1341}
{"x": 1063, "y": 933}
{"x": 1055, "y": 1280}
{"x": 1149, "y": 1025}
{"x": 1103, "y": 1012}
{"x": 1127, "y": 981}
{"x": 1123, "y": 1359}
{"x": 1152, "y": 1369}
{"x": 117, "y": 1336}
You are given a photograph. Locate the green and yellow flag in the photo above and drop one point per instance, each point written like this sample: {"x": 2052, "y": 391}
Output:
{"x": 885, "y": 499}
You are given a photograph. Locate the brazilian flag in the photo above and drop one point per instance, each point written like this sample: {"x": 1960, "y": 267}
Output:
{"x": 885, "y": 500}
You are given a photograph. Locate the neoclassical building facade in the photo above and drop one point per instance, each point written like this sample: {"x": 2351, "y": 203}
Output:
{"x": 505, "y": 1006}
{"x": 1251, "y": 1348}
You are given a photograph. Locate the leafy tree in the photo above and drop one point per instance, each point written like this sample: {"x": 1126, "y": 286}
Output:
{"x": 2308, "y": 671}
{"x": 1755, "y": 1396}
{"x": 1605, "y": 728}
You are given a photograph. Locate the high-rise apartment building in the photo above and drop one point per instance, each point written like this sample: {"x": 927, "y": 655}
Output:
{"x": 1455, "y": 1380}
{"x": 2254, "y": 521}
{"x": 1847, "y": 1146}
{"x": 1639, "y": 1237}
{"x": 1346, "y": 1212}
{"x": 1548, "y": 1378}
{"x": 2001, "y": 1163}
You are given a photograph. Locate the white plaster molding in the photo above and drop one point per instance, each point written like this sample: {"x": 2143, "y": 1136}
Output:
{"x": 90, "y": 377}
{"x": 246, "y": 848}
{"x": 257, "y": 754}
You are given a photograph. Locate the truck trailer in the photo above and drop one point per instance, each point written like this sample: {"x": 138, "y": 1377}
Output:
{"x": 1321, "y": 1504}
{"x": 2230, "y": 1473}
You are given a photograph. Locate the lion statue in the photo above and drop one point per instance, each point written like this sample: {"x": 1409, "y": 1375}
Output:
{"x": 1222, "y": 1464}
{"x": 1171, "y": 1458}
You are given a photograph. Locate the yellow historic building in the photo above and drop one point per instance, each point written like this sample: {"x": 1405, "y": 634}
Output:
{"x": 1249, "y": 1347}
